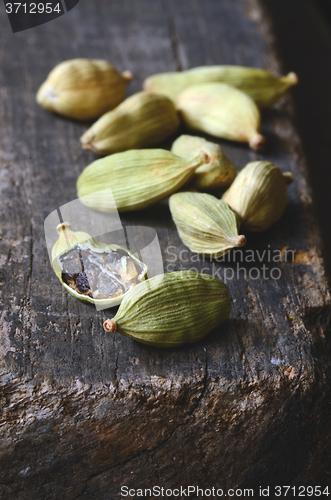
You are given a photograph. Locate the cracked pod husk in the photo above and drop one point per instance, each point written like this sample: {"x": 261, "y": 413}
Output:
{"x": 205, "y": 224}
{"x": 217, "y": 174}
{"x": 262, "y": 86}
{"x": 93, "y": 271}
{"x": 222, "y": 111}
{"x": 172, "y": 309}
{"x": 258, "y": 195}
{"x": 138, "y": 178}
{"x": 141, "y": 121}
{"x": 83, "y": 88}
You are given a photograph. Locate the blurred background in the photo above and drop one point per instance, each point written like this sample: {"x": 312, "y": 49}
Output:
{"x": 325, "y": 7}
{"x": 303, "y": 33}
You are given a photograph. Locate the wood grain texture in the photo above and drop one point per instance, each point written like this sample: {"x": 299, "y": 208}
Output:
{"x": 83, "y": 412}
{"x": 308, "y": 53}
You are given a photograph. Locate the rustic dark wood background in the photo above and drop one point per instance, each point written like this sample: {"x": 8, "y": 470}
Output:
{"x": 303, "y": 38}
{"x": 83, "y": 412}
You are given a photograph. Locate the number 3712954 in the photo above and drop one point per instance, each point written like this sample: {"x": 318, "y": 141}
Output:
{"x": 301, "y": 491}
{"x": 32, "y": 8}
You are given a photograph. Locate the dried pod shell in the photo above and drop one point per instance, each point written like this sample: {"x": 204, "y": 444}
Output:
{"x": 217, "y": 174}
{"x": 83, "y": 88}
{"x": 263, "y": 87}
{"x": 223, "y": 111}
{"x": 93, "y": 271}
{"x": 258, "y": 195}
{"x": 138, "y": 178}
{"x": 142, "y": 120}
{"x": 172, "y": 309}
{"x": 205, "y": 224}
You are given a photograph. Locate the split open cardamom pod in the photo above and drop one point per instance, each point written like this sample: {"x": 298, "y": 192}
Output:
{"x": 261, "y": 85}
{"x": 83, "y": 88}
{"x": 138, "y": 178}
{"x": 258, "y": 195}
{"x": 223, "y": 111}
{"x": 205, "y": 224}
{"x": 172, "y": 309}
{"x": 93, "y": 271}
{"x": 217, "y": 174}
{"x": 140, "y": 121}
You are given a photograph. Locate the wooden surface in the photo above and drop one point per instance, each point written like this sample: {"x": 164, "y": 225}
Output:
{"x": 83, "y": 412}
{"x": 308, "y": 52}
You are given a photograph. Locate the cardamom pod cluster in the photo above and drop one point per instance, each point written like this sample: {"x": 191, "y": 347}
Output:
{"x": 205, "y": 224}
{"x": 217, "y": 174}
{"x": 180, "y": 307}
{"x": 93, "y": 271}
{"x": 258, "y": 195}
{"x": 142, "y": 120}
{"x": 138, "y": 178}
{"x": 263, "y": 87}
{"x": 173, "y": 309}
{"x": 83, "y": 88}
{"x": 223, "y": 111}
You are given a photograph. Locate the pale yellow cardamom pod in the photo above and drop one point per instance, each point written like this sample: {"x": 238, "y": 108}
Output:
{"x": 223, "y": 111}
{"x": 173, "y": 309}
{"x": 217, "y": 174}
{"x": 261, "y": 85}
{"x": 142, "y": 120}
{"x": 258, "y": 195}
{"x": 205, "y": 224}
{"x": 93, "y": 271}
{"x": 83, "y": 88}
{"x": 137, "y": 178}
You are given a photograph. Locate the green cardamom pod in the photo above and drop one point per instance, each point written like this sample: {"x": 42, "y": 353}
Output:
{"x": 205, "y": 224}
{"x": 83, "y": 88}
{"x": 172, "y": 309}
{"x": 137, "y": 178}
{"x": 141, "y": 121}
{"x": 217, "y": 174}
{"x": 262, "y": 86}
{"x": 258, "y": 195}
{"x": 223, "y": 111}
{"x": 93, "y": 271}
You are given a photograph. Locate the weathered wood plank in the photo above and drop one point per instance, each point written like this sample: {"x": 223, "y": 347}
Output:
{"x": 83, "y": 412}
{"x": 308, "y": 52}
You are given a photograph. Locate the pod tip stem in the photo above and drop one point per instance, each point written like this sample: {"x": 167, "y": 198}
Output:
{"x": 127, "y": 75}
{"x": 87, "y": 145}
{"x": 110, "y": 326}
{"x": 205, "y": 157}
{"x": 257, "y": 142}
{"x": 241, "y": 241}
{"x": 292, "y": 78}
{"x": 289, "y": 178}
{"x": 63, "y": 226}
